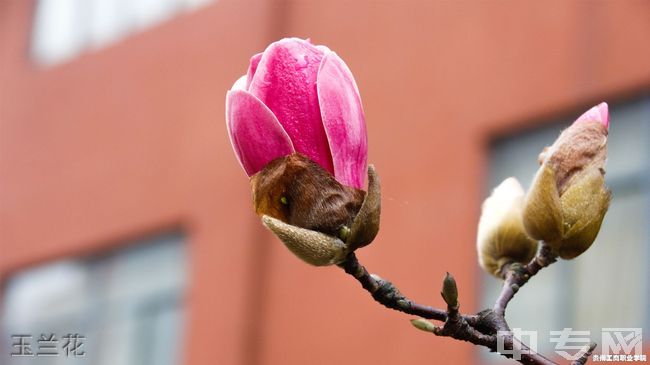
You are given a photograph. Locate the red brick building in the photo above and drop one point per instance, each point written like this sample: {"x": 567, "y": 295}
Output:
{"x": 109, "y": 145}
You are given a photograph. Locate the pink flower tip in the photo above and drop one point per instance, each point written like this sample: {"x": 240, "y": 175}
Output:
{"x": 599, "y": 113}
{"x": 299, "y": 97}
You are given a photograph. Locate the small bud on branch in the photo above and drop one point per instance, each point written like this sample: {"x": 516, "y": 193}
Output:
{"x": 423, "y": 325}
{"x": 450, "y": 291}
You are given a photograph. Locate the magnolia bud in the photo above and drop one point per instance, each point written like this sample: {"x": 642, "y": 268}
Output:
{"x": 450, "y": 291}
{"x": 568, "y": 199}
{"x": 501, "y": 236}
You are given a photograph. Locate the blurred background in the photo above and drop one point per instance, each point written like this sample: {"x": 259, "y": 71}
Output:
{"x": 126, "y": 219}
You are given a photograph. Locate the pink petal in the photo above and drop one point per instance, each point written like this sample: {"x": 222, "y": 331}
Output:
{"x": 599, "y": 113}
{"x": 343, "y": 119}
{"x": 323, "y": 48}
{"x": 285, "y": 81}
{"x": 255, "y": 133}
{"x": 255, "y": 61}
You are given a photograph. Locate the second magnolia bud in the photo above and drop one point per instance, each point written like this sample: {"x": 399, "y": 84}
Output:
{"x": 568, "y": 199}
{"x": 501, "y": 236}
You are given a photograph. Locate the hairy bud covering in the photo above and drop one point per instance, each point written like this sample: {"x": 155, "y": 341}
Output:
{"x": 568, "y": 199}
{"x": 501, "y": 236}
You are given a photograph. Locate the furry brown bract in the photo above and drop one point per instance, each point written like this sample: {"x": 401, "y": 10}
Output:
{"x": 317, "y": 218}
{"x": 579, "y": 149}
{"x": 297, "y": 191}
{"x": 568, "y": 199}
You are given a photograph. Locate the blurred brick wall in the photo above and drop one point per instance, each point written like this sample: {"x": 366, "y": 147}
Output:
{"x": 131, "y": 139}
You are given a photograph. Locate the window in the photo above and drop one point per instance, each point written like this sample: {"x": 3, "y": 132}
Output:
{"x": 65, "y": 28}
{"x": 127, "y": 305}
{"x": 609, "y": 285}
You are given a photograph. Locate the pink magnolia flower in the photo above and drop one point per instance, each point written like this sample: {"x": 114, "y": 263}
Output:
{"x": 298, "y": 97}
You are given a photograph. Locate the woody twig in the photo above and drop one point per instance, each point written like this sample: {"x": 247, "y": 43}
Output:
{"x": 516, "y": 275}
{"x": 487, "y": 328}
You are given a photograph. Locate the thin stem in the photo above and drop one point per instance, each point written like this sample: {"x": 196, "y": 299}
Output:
{"x": 517, "y": 276}
{"x": 480, "y": 329}
{"x": 384, "y": 292}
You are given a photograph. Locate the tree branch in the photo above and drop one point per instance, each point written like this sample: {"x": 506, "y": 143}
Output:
{"x": 483, "y": 328}
{"x": 516, "y": 275}
{"x": 384, "y": 292}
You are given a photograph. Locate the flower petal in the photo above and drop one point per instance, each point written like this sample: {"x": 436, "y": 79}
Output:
{"x": 255, "y": 133}
{"x": 343, "y": 120}
{"x": 255, "y": 61}
{"x": 599, "y": 113}
{"x": 285, "y": 81}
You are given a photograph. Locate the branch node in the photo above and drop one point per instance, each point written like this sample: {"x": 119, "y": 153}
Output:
{"x": 514, "y": 287}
